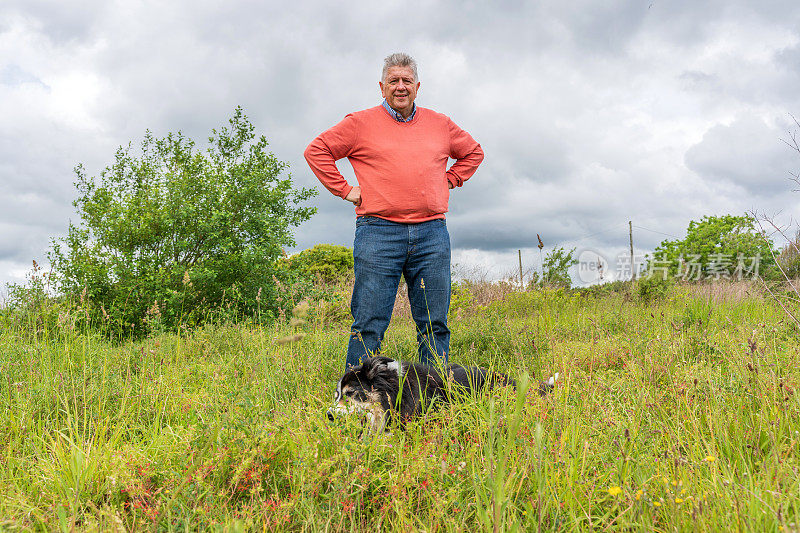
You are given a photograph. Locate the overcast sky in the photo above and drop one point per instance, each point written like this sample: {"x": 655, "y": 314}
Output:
{"x": 590, "y": 113}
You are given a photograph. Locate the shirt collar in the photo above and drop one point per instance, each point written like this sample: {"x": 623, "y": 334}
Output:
{"x": 397, "y": 116}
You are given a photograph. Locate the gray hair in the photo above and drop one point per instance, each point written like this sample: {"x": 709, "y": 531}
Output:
{"x": 399, "y": 59}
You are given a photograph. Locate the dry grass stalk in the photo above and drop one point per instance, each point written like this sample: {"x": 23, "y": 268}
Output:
{"x": 726, "y": 291}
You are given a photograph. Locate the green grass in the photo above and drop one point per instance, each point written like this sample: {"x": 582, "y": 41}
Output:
{"x": 679, "y": 414}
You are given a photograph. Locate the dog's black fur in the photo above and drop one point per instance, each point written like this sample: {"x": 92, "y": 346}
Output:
{"x": 386, "y": 390}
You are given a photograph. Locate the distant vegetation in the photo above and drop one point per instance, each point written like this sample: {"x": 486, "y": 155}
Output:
{"x": 325, "y": 263}
{"x": 717, "y": 247}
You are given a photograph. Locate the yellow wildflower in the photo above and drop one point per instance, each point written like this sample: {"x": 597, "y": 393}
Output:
{"x": 614, "y": 491}
{"x": 678, "y": 500}
{"x": 639, "y": 494}
{"x": 657, "y": 504}
{"x": 710, "y": 459}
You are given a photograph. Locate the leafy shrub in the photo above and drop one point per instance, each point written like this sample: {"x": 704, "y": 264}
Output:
{"x": 654, "y": 287}
{"x": 604, "y": 289}
{"x": 555, "y": 268}
{"x": 173, "y": 235}
{"x": 325, "y": 262}
{"x": 715, "y": 247}
{"x": 461, "y": 298}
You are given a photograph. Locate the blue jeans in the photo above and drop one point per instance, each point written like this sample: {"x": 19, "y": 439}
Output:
{"x": 384, "y": 250}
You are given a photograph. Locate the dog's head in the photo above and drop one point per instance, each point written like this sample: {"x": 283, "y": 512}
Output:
{"x": 361, "y": 390}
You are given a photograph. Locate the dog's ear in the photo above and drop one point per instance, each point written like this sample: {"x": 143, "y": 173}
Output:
{"x": 373, "y": 366}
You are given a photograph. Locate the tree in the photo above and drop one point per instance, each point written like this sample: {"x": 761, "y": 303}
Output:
{"x": 716, "y": 247}
{"x": 172, "y": 233}
{"x": 325, "y": 262}
{"x": 555, "y": 268}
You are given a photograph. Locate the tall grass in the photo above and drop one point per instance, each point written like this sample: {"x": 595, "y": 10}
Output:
{"x": 678, "y": 414}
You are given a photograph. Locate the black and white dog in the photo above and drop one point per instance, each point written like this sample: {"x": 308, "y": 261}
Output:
{"x": 382, "y": 389}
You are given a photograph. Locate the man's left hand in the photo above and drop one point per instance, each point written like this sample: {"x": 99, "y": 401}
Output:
{"x": 449, "y": 185}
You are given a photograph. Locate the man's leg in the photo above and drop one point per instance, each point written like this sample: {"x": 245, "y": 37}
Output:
{"x": 379, "y": 251}
{"x": 427, "y": 273}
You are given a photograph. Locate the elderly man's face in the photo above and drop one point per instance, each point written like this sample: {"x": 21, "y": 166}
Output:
{"x": 400, "y": 88}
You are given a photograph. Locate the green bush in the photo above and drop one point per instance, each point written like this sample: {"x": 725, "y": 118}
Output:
{"x": 605, "y": 289}
{"x": 715, "y": 247}
{"x": 462, "y": 298}
{"x": 556, "y": 268}
{"x": 327, "y": 263}
{"x": 654, "y": 287}
{"x": 172, "y": 235}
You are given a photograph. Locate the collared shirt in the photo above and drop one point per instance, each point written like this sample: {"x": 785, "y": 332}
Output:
{"x": 397, "y": 116}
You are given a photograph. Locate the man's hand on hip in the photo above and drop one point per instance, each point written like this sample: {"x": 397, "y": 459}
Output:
{"x": 354, "y": 196}
{"x": 450, "y": 185}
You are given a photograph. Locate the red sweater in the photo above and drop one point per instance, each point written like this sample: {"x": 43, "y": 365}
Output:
{"x": 401, "y": 167}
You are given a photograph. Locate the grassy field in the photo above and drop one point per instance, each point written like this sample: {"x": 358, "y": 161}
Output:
{"x": 678, "y": 414}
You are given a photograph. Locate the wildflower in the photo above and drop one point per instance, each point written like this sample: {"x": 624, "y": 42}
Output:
{"x": 678, "y": 500}
{"x": 710, "y": 459}
{"x": 657, "y": 504}
{"x": 614, "y": 491}
{"x": 639, "y": 494}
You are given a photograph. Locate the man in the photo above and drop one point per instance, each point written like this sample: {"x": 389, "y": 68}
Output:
{"x": 399, "y": 153}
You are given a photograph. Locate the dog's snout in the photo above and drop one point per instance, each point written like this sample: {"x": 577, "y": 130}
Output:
{"x": 331, "y": 416}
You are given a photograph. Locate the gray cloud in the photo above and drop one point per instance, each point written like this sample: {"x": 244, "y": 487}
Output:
{"x": 747, "y": 153}
{"x": 63, "y": 23}
{"x": 591, "y": 114}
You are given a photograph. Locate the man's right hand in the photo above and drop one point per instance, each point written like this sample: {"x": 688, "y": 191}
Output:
{"x": 354, "y": 196}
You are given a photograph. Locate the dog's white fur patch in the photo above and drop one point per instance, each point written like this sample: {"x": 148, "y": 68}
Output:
{"x": 552, "y": 380}
{"x": 338, "y": 392}
{"x": 397, "y": 366}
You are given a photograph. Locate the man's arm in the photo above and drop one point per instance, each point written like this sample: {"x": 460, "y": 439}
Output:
{"x": 333, "y": 144}
{"x": 467, "y": 153}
